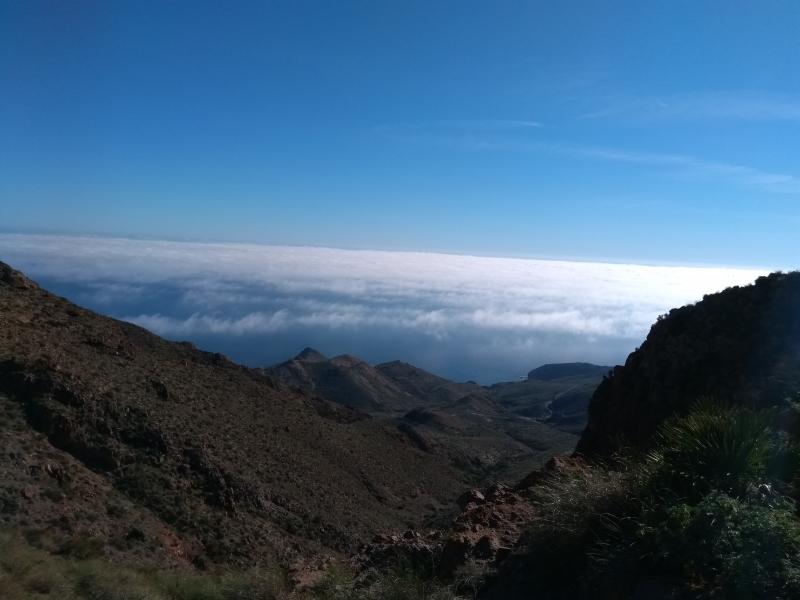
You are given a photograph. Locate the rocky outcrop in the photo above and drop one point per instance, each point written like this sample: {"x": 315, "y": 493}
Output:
{"x": 492, "y": 522}
{"x": 419, "y": 550}
{"x": 489, "y": 525}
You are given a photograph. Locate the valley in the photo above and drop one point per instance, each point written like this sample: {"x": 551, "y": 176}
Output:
{"x": 491, "y": 433}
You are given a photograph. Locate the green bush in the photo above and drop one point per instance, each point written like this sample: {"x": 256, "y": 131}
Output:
{"x": 708, "y": 509}
{"x": 733, "y": 547}
{"x": 706, "y": 513}
{"x": 715, "y": 447}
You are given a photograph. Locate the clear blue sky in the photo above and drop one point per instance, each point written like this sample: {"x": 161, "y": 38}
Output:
{"x": 653, "y": 131}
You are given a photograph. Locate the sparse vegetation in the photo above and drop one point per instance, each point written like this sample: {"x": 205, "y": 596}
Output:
{"x": 391, "y": 584}
{"x": 709, "y": 512}
{"x": 28, "y": 572}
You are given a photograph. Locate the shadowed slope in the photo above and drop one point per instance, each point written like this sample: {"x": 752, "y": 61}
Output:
{"x": 741, "y": 345}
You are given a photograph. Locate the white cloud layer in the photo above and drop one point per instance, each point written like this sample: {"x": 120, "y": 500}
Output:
{"x": 240, "y": 290}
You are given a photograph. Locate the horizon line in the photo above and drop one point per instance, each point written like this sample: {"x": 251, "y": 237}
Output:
{"x": 396, "y": 250}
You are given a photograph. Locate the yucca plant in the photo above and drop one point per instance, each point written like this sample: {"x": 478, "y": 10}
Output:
{"x": 716, "y": 446}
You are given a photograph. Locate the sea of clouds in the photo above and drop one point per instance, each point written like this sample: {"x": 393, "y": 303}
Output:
{"x": 466, "y": 317}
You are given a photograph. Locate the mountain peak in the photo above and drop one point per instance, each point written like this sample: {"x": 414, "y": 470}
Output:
{"x": 310, "y": 355}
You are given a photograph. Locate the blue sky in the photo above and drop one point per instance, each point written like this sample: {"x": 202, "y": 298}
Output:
{"x": 631, "y": 131}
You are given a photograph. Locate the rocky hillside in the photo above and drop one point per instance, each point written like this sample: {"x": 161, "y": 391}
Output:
{"x": 157, "y": 449}
{"x": 345, "y": 380}
{"x": 429, "y": 388}
{"x": 740, "y": 346}
{"x": 389, "y": 388}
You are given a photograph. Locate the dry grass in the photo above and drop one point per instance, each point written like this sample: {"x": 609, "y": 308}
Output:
{"x": 29, "y": 573}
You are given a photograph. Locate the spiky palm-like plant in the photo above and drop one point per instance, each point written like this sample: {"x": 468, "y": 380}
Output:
{"x": 715, "y": 446}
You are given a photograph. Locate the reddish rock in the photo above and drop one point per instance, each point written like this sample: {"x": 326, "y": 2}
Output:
{"x": 488, "y": 527}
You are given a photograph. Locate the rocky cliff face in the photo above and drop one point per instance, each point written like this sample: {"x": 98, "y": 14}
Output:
{"x": 111, "y": 432}
{"x": 741, "y": 345}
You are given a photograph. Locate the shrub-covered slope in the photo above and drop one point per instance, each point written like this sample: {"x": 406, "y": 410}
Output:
{"x": 742, "y": 344}
{"x": 709, "y": 512}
